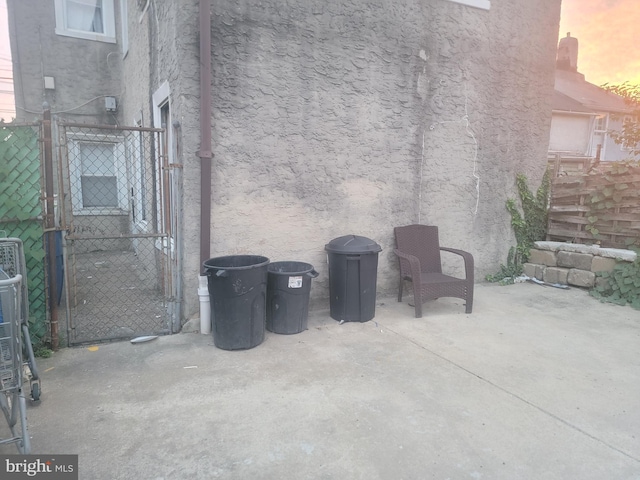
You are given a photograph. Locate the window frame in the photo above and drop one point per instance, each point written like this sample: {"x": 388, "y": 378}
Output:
{"x": 108, "y": 19}
{"x": 75, "y": 173}
{"x": 124, "y": 27}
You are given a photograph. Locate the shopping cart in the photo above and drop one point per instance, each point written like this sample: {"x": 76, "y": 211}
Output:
{"x": 12, "y": 263}
{"x": 12, "y": 401}
{"x": 17, "y": 362}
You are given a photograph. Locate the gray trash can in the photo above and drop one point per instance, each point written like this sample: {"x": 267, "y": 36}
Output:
{"x": 237, "y": 291}
{"x": 353, "y": 274}
{"x": 288, "y": 287}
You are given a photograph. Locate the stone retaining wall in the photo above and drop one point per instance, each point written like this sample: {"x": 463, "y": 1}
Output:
{"x": 573, "y": 264}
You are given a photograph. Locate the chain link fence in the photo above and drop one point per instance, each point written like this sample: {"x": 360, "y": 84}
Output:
{"x": 21, "y": 213}
{"x": 119, "y": 247}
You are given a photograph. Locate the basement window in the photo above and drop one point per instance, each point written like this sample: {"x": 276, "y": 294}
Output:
{"x": 87, "y": 19}
{"x": 483, "y": 4}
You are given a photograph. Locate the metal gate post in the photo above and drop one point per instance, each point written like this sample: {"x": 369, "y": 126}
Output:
{"x": 50, "y": 225}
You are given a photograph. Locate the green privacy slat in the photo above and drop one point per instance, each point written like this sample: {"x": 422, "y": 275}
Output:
{"x": 20, "y": 184}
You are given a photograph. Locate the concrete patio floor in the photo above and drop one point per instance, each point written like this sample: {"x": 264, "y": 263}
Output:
{"x": 538, "y": 383}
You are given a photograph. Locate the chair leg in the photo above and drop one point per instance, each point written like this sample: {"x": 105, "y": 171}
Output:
{"x": 417, "y": 300}
{"x": 418, "y": 309}
{"x": 400, "y": 285}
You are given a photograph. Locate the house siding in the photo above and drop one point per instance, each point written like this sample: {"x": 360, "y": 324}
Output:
{"x": 84, "y": 71}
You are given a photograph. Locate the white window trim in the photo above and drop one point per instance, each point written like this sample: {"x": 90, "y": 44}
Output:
{"x": 605, "y": 116}
{"x": 75, "y": 170}
{"x": 109, "y": 35}
{"x": 160, "y": 98}
{"x": 141, "y": 225}
{"x": 124, "y": 27}
{"x": 483, "y": 4}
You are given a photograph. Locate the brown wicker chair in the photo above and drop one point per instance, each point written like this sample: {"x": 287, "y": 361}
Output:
{"x": 418, "y": 251}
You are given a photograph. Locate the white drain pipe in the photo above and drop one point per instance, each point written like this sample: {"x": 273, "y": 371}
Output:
{"x": 205, "y": 305}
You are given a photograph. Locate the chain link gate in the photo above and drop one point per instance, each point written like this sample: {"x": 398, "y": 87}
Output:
{"x": 120, "y": 211}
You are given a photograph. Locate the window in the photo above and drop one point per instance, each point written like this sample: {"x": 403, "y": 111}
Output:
{"x": 88, "y": 19}
{"x": 601, "y": 124}
{"x": 97, "y": 176}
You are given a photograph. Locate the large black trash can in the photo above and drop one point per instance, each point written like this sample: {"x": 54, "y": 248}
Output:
{"x": 237, "y": 291}
{"x": 353, "y": 273}
{"x": 288, "y": 287}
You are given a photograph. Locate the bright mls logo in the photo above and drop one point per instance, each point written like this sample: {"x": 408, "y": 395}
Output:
{"x": 51, "y": 467}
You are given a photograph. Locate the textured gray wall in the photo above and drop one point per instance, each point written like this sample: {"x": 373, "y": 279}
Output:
{"x": 337, "y": 117}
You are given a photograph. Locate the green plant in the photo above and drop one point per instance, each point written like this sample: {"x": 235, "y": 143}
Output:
{"x": 42, "y": 352}
{"x": 622, "y": 285}
{"x": 507, "y": 273}
{"x": 613, "y": 194}
{"x": 629, "y": 136}
{"x": 529, "y": 227}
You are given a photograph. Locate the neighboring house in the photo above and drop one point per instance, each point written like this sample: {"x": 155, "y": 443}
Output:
{"x": 325, "y": 118}
{"x": 583, "y": 113}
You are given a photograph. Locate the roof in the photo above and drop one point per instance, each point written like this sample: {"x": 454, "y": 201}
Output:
{"x": 567, "y": 104}
{"x": 587, "y": 95}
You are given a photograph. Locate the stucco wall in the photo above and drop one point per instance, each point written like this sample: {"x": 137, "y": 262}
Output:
{"x": 338, "y": 117}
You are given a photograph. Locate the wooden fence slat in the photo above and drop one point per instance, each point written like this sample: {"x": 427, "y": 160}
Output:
{"x": 561, "y": 232}
{"x": 570, "y": 219}
{"x": 568, "y": 208}
{"x": 617, "y": 221}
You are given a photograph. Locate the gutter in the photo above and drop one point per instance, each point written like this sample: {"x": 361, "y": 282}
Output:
{"x": 205, "y": 153}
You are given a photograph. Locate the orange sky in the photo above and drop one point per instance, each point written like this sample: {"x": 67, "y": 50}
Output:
{"x": 608, "y": 33}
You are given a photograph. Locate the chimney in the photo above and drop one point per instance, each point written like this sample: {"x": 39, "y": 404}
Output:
{"x": 567, "y": 58}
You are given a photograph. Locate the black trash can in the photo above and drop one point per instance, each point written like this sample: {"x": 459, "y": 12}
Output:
{"x": 288, "y": 287}
{"x": 238, "y": 292}
{"x": 353, "y": 273}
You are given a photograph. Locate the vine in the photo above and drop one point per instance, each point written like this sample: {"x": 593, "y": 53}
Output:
{"x": 609, "y": 196}
{"x": 622, "y": 285}
{"x": 529, "y": 227}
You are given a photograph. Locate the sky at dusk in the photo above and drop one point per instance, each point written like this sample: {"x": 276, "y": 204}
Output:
{"x": 608, "y": 32}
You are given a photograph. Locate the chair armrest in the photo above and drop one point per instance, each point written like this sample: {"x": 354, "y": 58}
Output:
{"x": 409, "y": 264}
{"x": 468, "y": 260}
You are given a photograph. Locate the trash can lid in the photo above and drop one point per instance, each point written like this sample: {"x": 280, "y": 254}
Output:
{"x": 352, "y": 244}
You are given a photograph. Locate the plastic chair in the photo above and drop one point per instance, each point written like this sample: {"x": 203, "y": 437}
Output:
{"x": 418, "y": 250}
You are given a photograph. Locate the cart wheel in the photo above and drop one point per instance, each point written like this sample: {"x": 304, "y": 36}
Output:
{"x": 35, "y": 392}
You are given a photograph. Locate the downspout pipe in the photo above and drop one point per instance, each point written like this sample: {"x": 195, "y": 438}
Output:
{"x": 205, "y": 153}
{"x": 206, "y": 156}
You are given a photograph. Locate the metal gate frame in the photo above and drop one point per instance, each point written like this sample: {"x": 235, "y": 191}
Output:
{"x": 165, "y": 232}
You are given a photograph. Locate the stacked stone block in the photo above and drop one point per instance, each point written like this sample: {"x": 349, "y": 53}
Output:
{"x": 573, "y": 264}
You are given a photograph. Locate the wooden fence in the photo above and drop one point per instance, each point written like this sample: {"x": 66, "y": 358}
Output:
{"x": 594, "y": 203}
